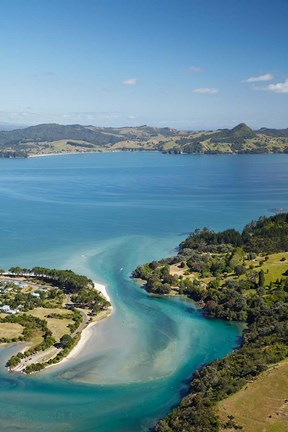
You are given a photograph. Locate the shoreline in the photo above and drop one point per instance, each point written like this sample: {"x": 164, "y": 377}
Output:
{"x": 102, "y": 288}
{"x": 90, "y": 152}
{"x": 87, "y": 331}
{"x": 61, "y": 154}
{"x": 84, "y": 335}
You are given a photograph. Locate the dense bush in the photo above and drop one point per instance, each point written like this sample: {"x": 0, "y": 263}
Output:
{"x": 226, "y": 288}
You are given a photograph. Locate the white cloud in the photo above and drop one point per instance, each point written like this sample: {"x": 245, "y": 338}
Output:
{"x": 265, "y": 77}
{"x": 28, "y": 118}
{"x": 195, "y": 69}
{"x": 277, "y": 88}
{"x": 206, "y": 90}
{"x": 130, "y": 81}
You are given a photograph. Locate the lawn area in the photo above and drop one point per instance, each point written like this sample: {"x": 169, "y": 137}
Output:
{"x": 174, "y": 269}
{"x": 10, "y": 330}
{"x": 262, "y": 405}
{"x": 59, "y": 327}
{"x": 36, "y": 339}
{"x": 275, "y": 267}
{"x": 43, "y": 312}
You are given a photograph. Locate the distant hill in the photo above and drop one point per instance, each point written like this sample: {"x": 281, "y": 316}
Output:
{"x": 56, "y": 138}
{"x": 274, "y": 132}
{"x": 241, "y": 131}
{"x": 236, "y": 137}
{"x": 55, "y": 132}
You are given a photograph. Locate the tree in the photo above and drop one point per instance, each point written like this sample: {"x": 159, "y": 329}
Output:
{"x": 16, "y": 270}
{"x": 66, "y": 341}
{"x": 236, "y": 258}
{"x": 239, "y": 269}
{"x": 261, "y": 280}
{"x": 252, "y": 277}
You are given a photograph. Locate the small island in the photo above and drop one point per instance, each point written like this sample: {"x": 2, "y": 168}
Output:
{"x": 48, "y": 310}
{"x": 241, "y": 277}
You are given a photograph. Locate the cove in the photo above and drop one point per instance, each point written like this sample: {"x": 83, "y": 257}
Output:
{"x": 102, "y": 215}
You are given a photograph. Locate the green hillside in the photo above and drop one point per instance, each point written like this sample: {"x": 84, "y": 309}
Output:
{"x": 274, "y": 132}
{"x": 55, "y": 138}
{"x": 237, "y": 277}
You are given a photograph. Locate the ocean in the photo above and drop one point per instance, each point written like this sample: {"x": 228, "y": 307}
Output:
{"x": 101, "y": 215}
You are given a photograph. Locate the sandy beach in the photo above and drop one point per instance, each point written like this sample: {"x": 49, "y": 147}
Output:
{"x": 87, "y": 332}
{"x": 63, "y": 154}
{"x": 102, "y": 289}
{"x": 84, "y": 337}
{"x": 53, "y": 154}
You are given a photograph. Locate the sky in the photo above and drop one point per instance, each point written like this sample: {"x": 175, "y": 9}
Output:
{"x": 185, "y": 64}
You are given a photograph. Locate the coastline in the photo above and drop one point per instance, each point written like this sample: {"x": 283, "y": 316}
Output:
{"x": 102, "y": 288}
{"x": 100, "y": 151}
{"x": 60, "y": 154}
{"x": 83, "y": 152}
{"x": 84, "y": 335}
{"x": 88, "y": 330}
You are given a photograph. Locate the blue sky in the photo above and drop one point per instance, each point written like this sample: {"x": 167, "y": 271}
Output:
{"x": 188, "y": 64}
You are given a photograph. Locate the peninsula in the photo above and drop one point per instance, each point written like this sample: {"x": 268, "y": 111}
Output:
{"x": 241, "y": 277}
{"x": 51, "y": 139}
{"x": 50, "y": 310}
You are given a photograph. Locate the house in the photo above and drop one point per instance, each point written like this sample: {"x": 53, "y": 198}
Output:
{"x": 20, "y": 284}
{"x": 6, "y": 309}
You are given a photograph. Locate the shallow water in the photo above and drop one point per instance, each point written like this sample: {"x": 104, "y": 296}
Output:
{"x": 102, "y": 215}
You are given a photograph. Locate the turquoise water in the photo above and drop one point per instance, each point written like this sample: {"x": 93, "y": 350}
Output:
{"x": 102, "y": 215}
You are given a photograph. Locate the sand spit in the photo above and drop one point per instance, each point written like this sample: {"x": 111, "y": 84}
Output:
{"x": 88, "y": 331}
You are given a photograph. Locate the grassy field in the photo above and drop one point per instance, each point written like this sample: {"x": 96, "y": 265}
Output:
{"x": 126, "y": 144}
{"x": 274, "y": 267}
{"x": 262, "y": 405}
{"x": 59, "y": 327}
{"x": 36, "y": 339}
{"x": 62, "y": 146}
{"x": 10, "y": 330}
{"x": 174, "y": 269}
{"x": 169, "y": 145}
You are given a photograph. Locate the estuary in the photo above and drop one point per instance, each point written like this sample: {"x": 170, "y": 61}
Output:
{"x": 102, "y": 215}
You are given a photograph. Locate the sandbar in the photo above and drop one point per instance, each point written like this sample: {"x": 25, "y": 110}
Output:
{"x": 102, "y": 289}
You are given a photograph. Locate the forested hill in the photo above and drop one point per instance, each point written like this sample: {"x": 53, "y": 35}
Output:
{"x": 55, "y": 138}
{"x": 233, "y": 276}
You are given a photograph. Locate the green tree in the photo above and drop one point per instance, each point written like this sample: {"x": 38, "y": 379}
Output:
{"x": 16, "y": 270}
{"x": 261, "y": 280}
{"x": 66, "y": 341}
